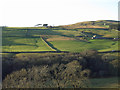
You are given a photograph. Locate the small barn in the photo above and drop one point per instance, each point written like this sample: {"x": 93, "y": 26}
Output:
{"x": 45, "y": 25}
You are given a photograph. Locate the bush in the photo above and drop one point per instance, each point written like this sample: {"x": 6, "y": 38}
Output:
{"x": 56, "y": 70}
{"x": 41, "y": 77}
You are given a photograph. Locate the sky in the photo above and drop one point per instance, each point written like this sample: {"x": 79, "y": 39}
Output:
{"x": 28, "y": 13}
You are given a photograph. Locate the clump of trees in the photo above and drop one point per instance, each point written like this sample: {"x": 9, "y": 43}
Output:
{"x": 56, "y": 70}
{"x": 115, "y": 26}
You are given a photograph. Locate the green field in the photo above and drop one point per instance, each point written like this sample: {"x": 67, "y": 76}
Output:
{"x": 45, "y": 39}
{"x": 18, "y": 44}
{"x": 77, "y": 46}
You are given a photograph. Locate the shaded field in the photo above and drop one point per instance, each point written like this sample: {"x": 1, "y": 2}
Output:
{"x": 104, "y": 82}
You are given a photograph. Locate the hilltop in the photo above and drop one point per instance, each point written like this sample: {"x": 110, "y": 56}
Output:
{"x": 91, "y": 24}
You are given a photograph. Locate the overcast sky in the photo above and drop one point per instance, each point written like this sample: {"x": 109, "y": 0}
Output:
{"x": 21, "y": 13}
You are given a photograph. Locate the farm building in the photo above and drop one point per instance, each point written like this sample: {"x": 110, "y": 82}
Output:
{"x": 45, "y": 25}
{"x": 41, "y": 25}
{"x": 95, "y": 37}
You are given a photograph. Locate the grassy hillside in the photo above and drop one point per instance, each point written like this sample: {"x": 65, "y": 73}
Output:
{"x": 78, "y": 46}
{"x": 91, "y": 24}
{"x": 24, "y": 44}
{"x": 51, "y": 39}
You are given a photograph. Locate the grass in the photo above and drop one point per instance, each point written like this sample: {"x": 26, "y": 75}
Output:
{"x": 114, "y": 46}
{"x": 58, "y": 37}
{"x": 37, "y": 54}
{"x": 101, "y": 32}
{"x": 69, "y": 45}
{"x": 14, "y": 32}
{"x": 69, "y": 33}
{"x": 28, "y": 39}
{"x": 104, "y": 82}
{"x": 77, "y": 46}
{"x": 25, "y": 44}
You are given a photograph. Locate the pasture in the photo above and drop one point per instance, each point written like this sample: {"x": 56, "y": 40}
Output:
{"x": 77, "y": 46}
{"x": 31, "y": 39}
{"x": 14, "y": 44}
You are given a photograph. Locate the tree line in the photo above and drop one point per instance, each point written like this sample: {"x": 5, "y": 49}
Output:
{"x": 56, "y": 70}
{"x": 115, "y": 26}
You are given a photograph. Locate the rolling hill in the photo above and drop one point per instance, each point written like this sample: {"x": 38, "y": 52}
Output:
{"x": 73, "y": 38}
{"x": 91, "y": 24}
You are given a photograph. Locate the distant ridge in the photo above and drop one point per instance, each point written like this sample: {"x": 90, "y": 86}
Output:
{"x": 91, "y": 24}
